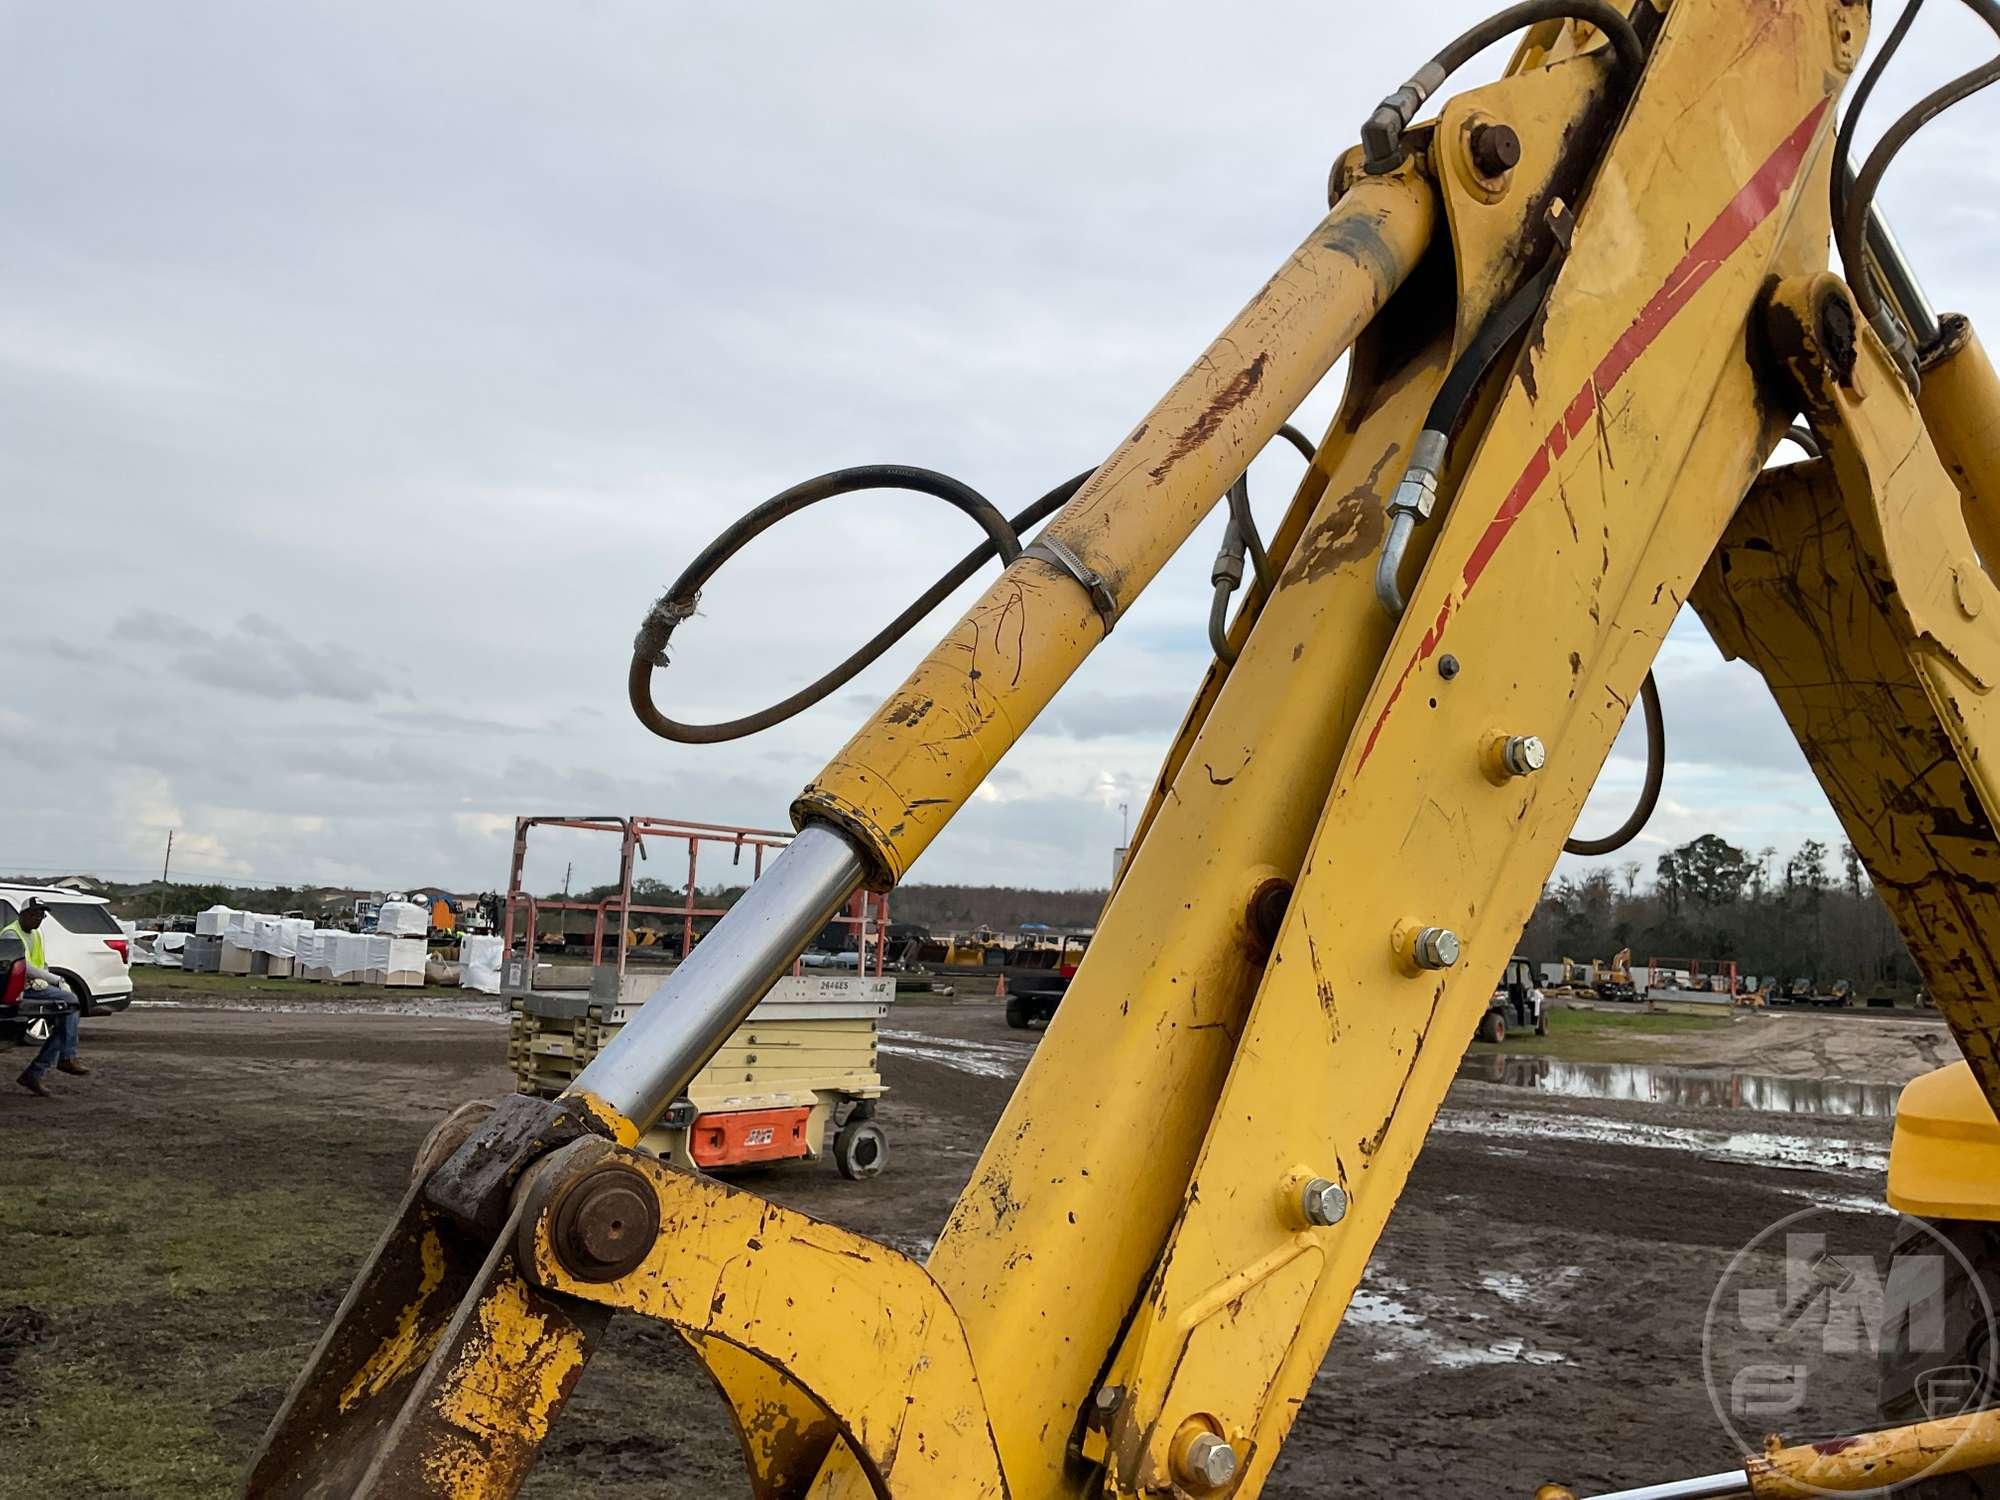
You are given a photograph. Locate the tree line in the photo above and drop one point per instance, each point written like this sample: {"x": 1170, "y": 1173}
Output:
{"x": 1812, "y": 915}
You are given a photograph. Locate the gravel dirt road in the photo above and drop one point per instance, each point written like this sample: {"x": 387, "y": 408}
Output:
{"x": 176, "y": 1229}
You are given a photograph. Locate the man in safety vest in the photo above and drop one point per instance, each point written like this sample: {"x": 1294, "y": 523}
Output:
{"x": 59, "y": 1051}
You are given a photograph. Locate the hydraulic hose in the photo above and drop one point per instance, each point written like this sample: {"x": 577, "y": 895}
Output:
{"x": 1416, "y": 493}
{"x": 1649, "y": 793}
{"x": 649, "y": 650}
{"x": 1382, "y": 135}
{"x": 1239, "y": 536}
{"x": 1851, "y": 227}
{"x": 1003, "y": 540}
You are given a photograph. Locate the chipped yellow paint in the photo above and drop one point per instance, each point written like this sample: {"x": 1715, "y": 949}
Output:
{"x": 1594, "y": 494}
{"x": 1875, "y": 1462}
{"x": 514, "y": 1373}
{"x": 863, "y": 1336}
{"x": 625, "y": 1132}
{"x": 1885, "y": 674}
{"x": 415, "y": 1335}
{"x": 1789, "y": 592}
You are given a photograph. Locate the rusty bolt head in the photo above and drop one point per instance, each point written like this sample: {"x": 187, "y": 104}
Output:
{"x": 1267, "y": 913}
{"x": 1324, "y": 1202}
{"x": 1495, "y": 149}
{"x": 606, "y": 1223}
{"x": 1447, "y": 666}
{"x": 1835, "y": 319}
{"x": 1207, "y": 1464}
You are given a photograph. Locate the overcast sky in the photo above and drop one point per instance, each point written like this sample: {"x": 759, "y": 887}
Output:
{"x": 366, "y": 370}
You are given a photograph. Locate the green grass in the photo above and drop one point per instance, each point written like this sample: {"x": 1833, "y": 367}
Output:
{"x": 164, "y": 1299}
{"x": 1611, "y": 1035}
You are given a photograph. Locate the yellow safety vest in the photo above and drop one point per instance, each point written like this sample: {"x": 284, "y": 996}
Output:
{"x": 32, "y": 941}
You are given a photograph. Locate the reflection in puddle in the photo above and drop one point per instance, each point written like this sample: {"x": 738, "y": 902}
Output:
{"x": 1704, "y": 1090}
{"x": 998, "y": 1059}
{"x": 1399, "y": 1331}
{"x": 1750, "y": 1147}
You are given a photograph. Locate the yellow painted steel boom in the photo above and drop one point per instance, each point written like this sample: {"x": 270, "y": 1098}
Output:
{"x": 1581, "y": 306}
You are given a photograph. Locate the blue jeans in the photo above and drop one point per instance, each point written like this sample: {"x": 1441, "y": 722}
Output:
{"x": 61, "y": 1043}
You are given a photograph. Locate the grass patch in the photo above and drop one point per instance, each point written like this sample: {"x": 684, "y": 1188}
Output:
{"x": 1611, "y": 1035}
{"x": 168, "y": 984}
{"x": 172, "y": 1309}
{"x": 81, "y": 1238}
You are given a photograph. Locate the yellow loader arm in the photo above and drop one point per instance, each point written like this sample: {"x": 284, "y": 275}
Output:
{"x": 1581, "y": 306}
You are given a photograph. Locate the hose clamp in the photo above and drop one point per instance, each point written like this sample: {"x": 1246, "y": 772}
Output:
{"x": 1056, "y": 553}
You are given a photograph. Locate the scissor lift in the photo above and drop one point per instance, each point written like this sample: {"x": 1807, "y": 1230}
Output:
{"x": 796, "y": 1079}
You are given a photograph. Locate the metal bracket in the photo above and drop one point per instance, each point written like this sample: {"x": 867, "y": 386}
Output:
{"x": 1056, "y": 553}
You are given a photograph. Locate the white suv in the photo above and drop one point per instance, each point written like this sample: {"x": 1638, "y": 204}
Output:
{"x": 84, "y": 943}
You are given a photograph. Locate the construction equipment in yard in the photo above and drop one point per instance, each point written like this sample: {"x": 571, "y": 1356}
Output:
{"x": 1583, "y": 305}
{"x": 796, "y": 1079}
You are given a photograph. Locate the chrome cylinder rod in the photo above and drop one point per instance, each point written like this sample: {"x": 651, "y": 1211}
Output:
{"x": 695, "y": 1008}
{"x": 1707, "y": 1487}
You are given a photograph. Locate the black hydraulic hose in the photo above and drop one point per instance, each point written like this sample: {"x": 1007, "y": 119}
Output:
{"x": 1240, "y": 537}
{"x": 1607, "y": 18}
{"x": 1003, "y": 540}
{"x": 1851, "y": 230}
{"x": 1649, "y": 794}
{"x": 1414, "y": 493}
{"x": 1382, "y": 135}
{"x": 1838, "y": 185}
{"x": 1246, "y": 524}
{"x": 1454, "y": 397}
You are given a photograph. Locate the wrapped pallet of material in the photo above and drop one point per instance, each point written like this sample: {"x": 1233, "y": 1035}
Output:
{"x": 479, "y": 964}
{"x": 316, "y": 950}
{"x": 212, "y": 922}
{"x": 202, "y": 953}
{"x": 403, "y": 919}
{"x": 168, "y": 947}
{"x": 350, "y": 958}
{"x": 403, "y": 964}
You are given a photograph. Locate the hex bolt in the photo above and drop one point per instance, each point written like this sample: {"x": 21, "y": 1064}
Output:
{"x": 1206, "y": 1464}
{"x": 1435, "y": 948}
{"x": 1447, "y": 666}
{"x": 1523, "y": 754}
{"x": 1324, "y": 1202}
{"x": 1495, "y": 149}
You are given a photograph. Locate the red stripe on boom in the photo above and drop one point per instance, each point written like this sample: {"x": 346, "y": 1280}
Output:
{"x": 1752, "y": 205}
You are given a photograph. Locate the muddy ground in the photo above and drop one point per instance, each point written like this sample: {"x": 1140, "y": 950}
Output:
{"x": 175, "y": 1229}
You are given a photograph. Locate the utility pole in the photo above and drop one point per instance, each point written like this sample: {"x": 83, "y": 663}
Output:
{"x": 1125, "y": 814}
{"x": 165, "y": 865}
{"x": 566, "y": 869}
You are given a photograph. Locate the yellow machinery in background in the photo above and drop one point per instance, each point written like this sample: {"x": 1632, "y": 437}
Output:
{"x": 1582, "y": 305}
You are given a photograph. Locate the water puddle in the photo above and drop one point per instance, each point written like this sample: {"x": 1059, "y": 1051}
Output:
{"x": 1759, "y": 1148}
{"x": 1696, "y": 1088}
{"x": 1379, "y": 1308}
{"x": 997, "y": 1059}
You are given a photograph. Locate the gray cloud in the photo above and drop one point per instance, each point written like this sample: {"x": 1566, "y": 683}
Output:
{"x": 370, "y": 374}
